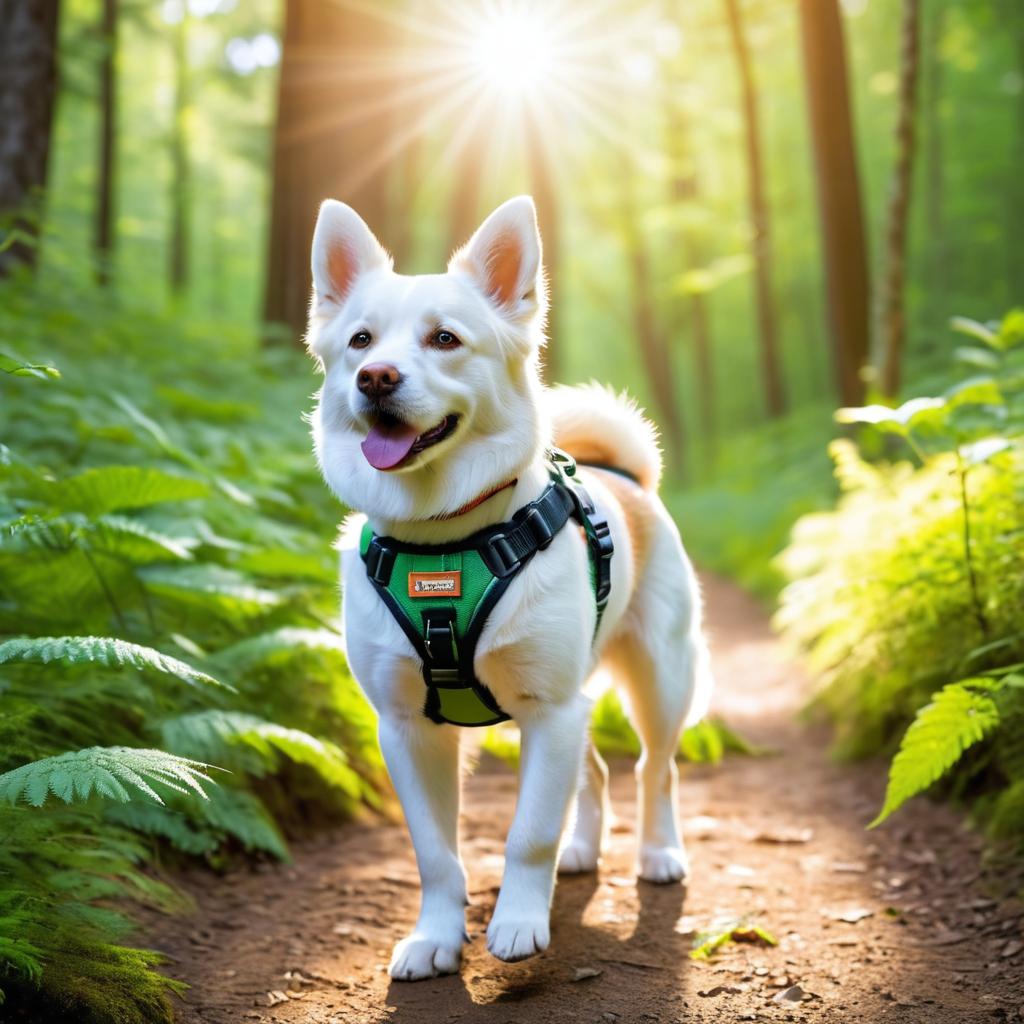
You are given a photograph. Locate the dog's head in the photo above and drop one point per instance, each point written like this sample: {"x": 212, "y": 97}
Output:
{"x": 431, "y": 386}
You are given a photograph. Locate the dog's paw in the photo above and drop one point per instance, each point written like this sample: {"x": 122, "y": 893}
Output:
{"x": 578, "y": 857}
{"x": 517, "y": 940}
{"x": 418, "y": 957}
{"x": 663, "y": 864}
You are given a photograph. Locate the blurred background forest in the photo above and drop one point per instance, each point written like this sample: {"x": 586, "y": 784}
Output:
{"x": 754, "y": 212}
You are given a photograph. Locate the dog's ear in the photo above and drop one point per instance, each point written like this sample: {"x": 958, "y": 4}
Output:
{"x": 343, "y": 248}
{"x": 504, "y": 258}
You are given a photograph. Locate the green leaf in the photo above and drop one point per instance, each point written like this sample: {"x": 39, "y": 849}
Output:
{"x": 100, "y": 650}
{"x": 959, "y": 716}
{"x": 111, "y": 488}
{"x": 16, "y": 368}
{"x": 974, "y": 329}
{"x": 708, "y": 943}
{"x": 107, "y": 771}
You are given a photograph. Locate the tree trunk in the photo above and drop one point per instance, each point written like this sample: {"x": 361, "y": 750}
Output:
{"x": 839, "y": 199}
{"x": 892, "y": 306}
{"x": 28, "y": 88}
{"x": 653, "y": 347}
{"x": 323, "y": 148}
{"x": 542, "y": 182}
{"x": 771, "y": 376}
{"x": 1014, "y": 16}
{"x": 181, "y": 187}
{"x": 103, "y": 239}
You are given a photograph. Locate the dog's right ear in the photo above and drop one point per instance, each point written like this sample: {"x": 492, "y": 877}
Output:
{"x": 343, "y": 248}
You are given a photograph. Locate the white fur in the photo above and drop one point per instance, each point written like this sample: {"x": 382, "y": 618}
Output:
{"x": 535, "y": 653}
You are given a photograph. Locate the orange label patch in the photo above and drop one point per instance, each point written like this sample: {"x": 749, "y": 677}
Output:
{"x": 435, "y": 584}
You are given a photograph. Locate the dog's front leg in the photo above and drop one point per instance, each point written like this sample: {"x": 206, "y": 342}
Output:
{"x": 423, "y": 760}
{"x": 552, "y": 750}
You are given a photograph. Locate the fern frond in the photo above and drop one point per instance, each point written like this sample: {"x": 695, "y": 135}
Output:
{"x": 100, "y": 650}
{"x": 210, "y": 586}
{"x": 262, "y": 647}
{"x": 111, "y": 488}
{"x": 211, "y": 734}
{"x": 107, "y": 771}
{"x": 959, "y": 716}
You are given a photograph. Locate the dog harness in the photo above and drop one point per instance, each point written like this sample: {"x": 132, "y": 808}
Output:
{"x": 442, "y": 595}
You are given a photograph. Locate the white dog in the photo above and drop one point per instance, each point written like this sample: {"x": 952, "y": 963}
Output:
{"x": 433, "y": 423}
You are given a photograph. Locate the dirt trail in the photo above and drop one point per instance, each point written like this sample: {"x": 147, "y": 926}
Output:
{"x": 936, "y": 946}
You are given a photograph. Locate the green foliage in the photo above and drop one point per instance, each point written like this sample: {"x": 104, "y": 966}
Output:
{"x": 106, "y": 771}
{"x": 707, "y": 943}
{"x": 167, "y": 588}
{"x": 98, "y": 650}
{"x": 958, "y": 717}
{"x": 907, "y": 596}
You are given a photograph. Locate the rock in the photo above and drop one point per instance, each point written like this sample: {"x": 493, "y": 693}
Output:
{"x": 793, "y": 994}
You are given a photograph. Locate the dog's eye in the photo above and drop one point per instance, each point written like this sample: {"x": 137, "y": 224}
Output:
{"x": 445, "y": 339}
{"x": 360, "y": 339}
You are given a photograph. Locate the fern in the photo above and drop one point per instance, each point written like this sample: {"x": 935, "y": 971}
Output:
{"x": 106, "y": 771}
{"x": 100, "y": 650}
{"x": 959, "y": 716}
{"x": 212, "y": 734}
{"x": 111, "y": 488}
{"x": 287, "y": 641}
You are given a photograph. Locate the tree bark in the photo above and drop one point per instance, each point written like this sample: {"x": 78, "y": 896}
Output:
{"x": 181, "y": 186}
{"x": 28, "y": 89}
{"x": 892, "y": 306}
{"x": 324, "y": 148}
{"x": 839, "y": 196}
{"x": 654, "y": 349}
{"x": 103, "y": 238}
{"x": 760, "y": 222}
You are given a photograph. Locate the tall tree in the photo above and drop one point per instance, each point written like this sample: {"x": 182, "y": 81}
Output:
{"x": 839, "y": 195}
{"x": 760, "y": 222}
{"x": 654, "y": 349}
{"x": 684, "y": 189}
{"x": 103, "y": 234}
{"x": 28, "y": 88}
{"x": 892, "y": 300}
{"x": 337, "y": 147}
{"x": 181, "y": 187}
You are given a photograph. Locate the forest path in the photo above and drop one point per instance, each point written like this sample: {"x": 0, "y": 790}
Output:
{"x": 779, "y": 838}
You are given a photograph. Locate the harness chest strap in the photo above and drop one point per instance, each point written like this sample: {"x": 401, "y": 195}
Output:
{"x": 442, "y": 595}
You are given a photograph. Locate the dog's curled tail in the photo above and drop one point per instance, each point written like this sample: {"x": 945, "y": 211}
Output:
{"x": 595, "y": 425}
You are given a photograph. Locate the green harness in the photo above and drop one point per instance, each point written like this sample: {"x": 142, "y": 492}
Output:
{"x": 442, "y": 595}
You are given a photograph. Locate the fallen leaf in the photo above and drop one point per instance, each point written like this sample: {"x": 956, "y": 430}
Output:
{"x": 582, "y": 973}
{"x": 851, "y": 916}
{"x": 785, "y": 835}
{"x": 793, "y": 994}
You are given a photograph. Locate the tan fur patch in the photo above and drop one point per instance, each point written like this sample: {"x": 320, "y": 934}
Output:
{"x": 641, "y": 518}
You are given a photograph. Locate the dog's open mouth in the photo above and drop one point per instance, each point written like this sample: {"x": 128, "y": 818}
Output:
{"x": 392, "y": 442}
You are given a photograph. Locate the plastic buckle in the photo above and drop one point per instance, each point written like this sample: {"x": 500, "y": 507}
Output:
{"x": 500, "y": 556}
{"x": 441, "y": 668}
{"x": 562, "y": 461}
{"x": 538, "y": 526}
{"x": 380, "y": 560}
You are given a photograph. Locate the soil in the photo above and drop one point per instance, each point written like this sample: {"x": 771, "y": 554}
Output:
{"x": 903, "y": 924}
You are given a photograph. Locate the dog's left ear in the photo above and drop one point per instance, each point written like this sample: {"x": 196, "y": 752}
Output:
{"x": 504, "y": 259}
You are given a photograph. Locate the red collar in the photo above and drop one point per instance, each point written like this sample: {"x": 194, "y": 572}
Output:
{"x": 476, "y": 502}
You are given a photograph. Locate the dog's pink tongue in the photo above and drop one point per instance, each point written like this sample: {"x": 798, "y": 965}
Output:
{"x": 388, "y": 443}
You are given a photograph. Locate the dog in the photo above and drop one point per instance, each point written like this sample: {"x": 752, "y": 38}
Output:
{"x": 432, "y": 422}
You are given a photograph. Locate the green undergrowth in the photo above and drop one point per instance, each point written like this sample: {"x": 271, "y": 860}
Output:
{"x": 707, "y": 742}
{"x": 737, "y": 521}
{"x": 909, "y": 595}
{"x": 171, "y": 678}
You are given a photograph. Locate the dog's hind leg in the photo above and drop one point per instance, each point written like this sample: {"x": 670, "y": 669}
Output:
{"x": 582, "y": 850}
{"x": 423, "y": 761}
{"x": 661, "y": 660}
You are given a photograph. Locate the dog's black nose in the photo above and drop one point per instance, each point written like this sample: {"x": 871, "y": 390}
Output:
{"x": 378, "y": 380}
